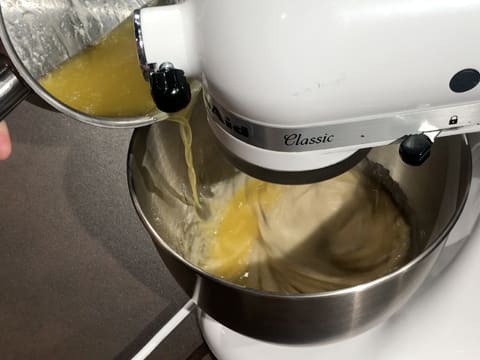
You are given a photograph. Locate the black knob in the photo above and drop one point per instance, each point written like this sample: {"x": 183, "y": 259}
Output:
{"x": 170, "y": 89}
{"x": 415, "y": 149}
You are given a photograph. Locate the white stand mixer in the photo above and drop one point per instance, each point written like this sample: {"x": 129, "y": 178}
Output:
{"x": 296, "y": 90}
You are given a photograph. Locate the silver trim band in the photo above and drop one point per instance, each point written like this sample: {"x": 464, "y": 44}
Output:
{"x": 359, "y": 133}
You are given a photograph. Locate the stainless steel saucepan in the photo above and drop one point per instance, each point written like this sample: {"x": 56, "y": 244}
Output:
{"x": 158, "y": 180}
{"x": 39, "y": 35}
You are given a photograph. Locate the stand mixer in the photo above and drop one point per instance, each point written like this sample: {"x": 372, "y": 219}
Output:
{"x": 298, "y": 92}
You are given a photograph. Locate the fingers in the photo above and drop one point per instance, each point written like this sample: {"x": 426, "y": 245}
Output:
{"x": 5, "y": 143}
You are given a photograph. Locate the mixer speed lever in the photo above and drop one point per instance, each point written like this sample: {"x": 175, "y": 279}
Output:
{"x": 169, "y": 88}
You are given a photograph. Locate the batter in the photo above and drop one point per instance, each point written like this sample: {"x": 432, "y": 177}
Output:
{"x": 303, "y": 239}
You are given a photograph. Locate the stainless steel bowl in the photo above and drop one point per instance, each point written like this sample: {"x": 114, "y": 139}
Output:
{"x": 39, "y": 35}
{"x": 436, "y": 193}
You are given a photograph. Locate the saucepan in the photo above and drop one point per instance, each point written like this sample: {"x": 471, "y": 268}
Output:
{"x": 40, "y": 35}
{"x": 435, "y": 194}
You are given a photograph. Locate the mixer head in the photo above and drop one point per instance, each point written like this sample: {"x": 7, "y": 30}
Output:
{"x": 298, "y": 92}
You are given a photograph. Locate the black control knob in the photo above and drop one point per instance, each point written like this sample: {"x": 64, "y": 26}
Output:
{"x": 415, "y": 149}
{"x": 170, "y": 89}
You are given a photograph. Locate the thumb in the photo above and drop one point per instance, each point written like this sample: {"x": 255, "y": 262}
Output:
{"x": 5, "y": 143}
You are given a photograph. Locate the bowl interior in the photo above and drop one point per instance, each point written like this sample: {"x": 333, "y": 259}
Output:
{"x": 431, "y": 195}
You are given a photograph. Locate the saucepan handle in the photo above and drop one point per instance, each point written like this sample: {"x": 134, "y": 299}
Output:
{"x": 12, "y": 89}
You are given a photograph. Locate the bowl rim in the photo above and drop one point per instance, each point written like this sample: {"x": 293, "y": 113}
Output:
{"x": 443, "y": 234}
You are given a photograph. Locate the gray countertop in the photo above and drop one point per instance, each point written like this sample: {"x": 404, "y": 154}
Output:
{"x": 79, "y": 276}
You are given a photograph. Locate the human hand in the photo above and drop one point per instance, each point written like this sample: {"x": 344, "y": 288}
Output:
{"x": 5, "y": 143}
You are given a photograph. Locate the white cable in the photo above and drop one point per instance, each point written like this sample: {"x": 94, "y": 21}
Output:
{"x": 171, "y": 325}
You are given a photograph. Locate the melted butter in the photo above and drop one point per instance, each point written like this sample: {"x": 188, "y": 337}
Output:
{"x": 235, "y": 232}
{"x": 183, "y": 119}
{"x": 105, "y": 79}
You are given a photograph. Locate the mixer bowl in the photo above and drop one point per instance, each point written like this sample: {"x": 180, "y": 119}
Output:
{"x": 436, "y": 193}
